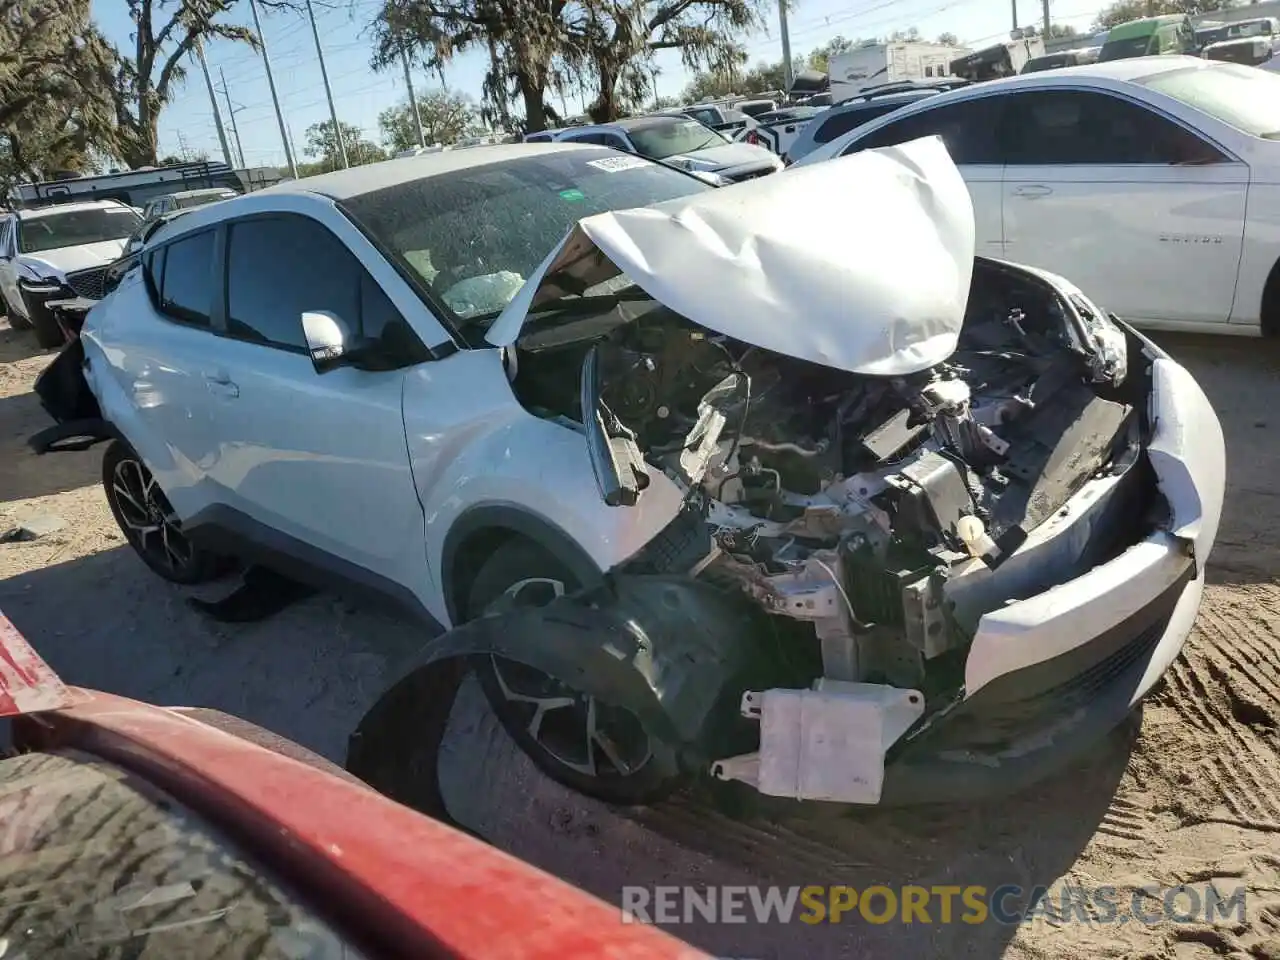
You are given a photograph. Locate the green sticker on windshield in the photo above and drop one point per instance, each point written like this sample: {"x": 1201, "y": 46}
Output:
{"x": 573, "y": 195}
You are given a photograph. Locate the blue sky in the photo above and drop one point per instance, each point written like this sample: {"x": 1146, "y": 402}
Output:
{"x": 360, "y": 93}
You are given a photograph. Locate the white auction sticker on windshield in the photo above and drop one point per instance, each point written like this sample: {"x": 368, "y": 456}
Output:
{"x": 615, "y": 164}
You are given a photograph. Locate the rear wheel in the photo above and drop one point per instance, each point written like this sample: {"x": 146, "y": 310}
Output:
{"x": 595, "y": 748}
{"x": 148, "y": 522}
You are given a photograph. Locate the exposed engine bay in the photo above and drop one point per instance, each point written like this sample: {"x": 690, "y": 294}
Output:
{"x": 848, "y": 503}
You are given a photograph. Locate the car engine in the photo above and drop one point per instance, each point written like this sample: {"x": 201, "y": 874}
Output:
{"x": 846, "y": 502}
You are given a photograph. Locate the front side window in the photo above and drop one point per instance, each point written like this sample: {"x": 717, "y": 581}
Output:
{"x": 1064, "y": 127}
{"x": 1244, "y": 97}
{"x": 665, "y": 139}
{"x": 75, "y": 228}
{"x": 185, "y": 284}
{"x": 469, "y": 238}
{"x": 281, "y": 267}
{"x": 967, "y": 127}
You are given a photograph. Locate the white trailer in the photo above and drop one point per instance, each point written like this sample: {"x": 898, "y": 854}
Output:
{"x": 850, "y": 73}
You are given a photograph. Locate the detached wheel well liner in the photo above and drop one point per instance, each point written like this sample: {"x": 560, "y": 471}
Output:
{"x": 476, "y": 534}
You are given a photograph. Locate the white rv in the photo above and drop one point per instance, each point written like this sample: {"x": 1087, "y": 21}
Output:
{"x": 878, "y": 63}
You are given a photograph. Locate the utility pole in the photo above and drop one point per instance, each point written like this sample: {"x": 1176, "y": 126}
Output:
{"x": 266, "y": 62}
{"x": 1045, "y": 5}
{"x": 231, "y": 111}
{"x": 213, "y": 102}
{"x": 324, "y": 75}
{"x": 1015, "y": 13}
{"x": 413, "y": 100}
{"x": 788, "y": 77}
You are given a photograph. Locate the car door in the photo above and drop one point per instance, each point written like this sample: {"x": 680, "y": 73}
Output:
{"x": 158, "y": 333}
{"x": 314, "y": 465}
{"x": 9, "y": 264}
{"x": 1144, "y": 214}
{"x": 969, "y": 129}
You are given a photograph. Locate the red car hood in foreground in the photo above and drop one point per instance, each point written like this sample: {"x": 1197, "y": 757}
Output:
{"x": 401, "y": 882}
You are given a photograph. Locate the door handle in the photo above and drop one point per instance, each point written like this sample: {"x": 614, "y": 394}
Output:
{"x": 1032, "y": 190}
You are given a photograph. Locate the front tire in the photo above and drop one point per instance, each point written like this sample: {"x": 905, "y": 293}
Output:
{"x": 15, "y": 321}
{"x": 48, "y": 332}
{"x": 592, "y": 747}
{"x": 148, "y": 522}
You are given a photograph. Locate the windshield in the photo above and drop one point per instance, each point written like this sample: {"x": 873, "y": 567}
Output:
{"x": 75, "y": 228}
{"x": 1245, "y": 97}
{"x": 200, "y": 199}
{"x": 661, "y": 140}
{"x": 470, "y": 237}
{"x": 1250, "y": 28}
{"x": 1123, "y": 49}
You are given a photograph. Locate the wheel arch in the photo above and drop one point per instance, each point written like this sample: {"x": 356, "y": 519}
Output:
{"x": 481, "y": 530}
{"x": 1270, "y": 311}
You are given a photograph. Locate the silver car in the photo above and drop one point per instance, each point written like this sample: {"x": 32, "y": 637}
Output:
{"x": 680, "y": 142}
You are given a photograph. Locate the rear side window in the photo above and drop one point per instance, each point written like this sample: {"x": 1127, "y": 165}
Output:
{"x": 968, "y": 128}
{"x": 185, "y": 285}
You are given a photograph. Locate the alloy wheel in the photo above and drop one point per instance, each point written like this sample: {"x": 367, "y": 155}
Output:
{"x": 148, "y": 518}
{"x": 576, "y": 729}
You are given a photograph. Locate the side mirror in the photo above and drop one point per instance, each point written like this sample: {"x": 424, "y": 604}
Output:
{"x": 331, "y": 347}
{"x": 326, "y": 340}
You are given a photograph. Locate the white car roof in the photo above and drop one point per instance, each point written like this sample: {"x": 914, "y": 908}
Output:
{"x": 1121, "y": 71}
{"x": 37, "y": 212}
{"x": 343, "y": 184}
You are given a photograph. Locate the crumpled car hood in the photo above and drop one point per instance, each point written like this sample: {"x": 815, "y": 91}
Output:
{"x": 861, "y": 264}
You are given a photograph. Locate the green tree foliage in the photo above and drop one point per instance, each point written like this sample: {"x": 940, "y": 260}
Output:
{"x": 323, "y": 144}
{"x": 446, "y": 116}
{"x": 614, "y": 42}
{"x": 165, "y": 36}
{"x": 527, "y": 43}
{"x": 56, "y": 75}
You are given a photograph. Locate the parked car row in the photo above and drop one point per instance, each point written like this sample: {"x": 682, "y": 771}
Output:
{"x": 675, "y": 140}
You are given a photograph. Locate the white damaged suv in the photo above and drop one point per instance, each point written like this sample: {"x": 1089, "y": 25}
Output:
{"x": 695, "y": 482}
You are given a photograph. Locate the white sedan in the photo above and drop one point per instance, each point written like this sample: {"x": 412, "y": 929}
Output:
{"x": 1154, "y": 183}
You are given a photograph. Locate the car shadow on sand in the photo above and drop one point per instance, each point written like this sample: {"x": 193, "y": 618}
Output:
{"x": 106, "y": 621}
{"x": 1013, "y": 845}
{"x": 23, "y": 474}
{"x": 18, "y": 345}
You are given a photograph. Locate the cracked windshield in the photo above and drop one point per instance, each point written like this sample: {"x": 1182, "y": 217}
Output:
{"x": 473, "y": 236}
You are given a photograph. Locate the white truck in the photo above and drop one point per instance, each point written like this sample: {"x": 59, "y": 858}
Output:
{"x": 878, "y": 63}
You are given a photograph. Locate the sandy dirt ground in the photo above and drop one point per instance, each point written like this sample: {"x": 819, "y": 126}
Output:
{"x": 1191, "y": 798}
